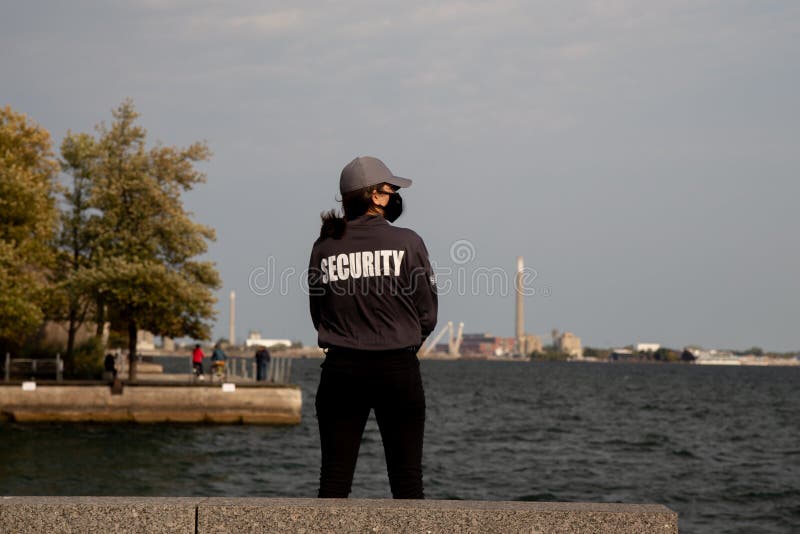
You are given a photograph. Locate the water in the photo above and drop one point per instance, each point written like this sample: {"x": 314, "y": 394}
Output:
{"x": 721, "y": 445}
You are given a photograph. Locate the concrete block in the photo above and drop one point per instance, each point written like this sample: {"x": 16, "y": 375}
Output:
{"x": 98, "y": 514}
{"x": 365, "y": 515}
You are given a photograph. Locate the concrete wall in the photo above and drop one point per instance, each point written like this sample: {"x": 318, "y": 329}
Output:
{"x": 152, "y": 404}
{"x": 199, "y": 515}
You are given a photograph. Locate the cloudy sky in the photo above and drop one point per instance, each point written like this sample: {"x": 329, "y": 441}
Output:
{"x": 641, "y": 156}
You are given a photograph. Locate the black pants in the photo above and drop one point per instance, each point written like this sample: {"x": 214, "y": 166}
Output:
{"x": 353, "y": 383}
{"x": 261, "y": 370}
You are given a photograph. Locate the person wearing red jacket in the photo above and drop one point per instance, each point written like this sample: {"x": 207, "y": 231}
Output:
{"x": 197, "y": 360}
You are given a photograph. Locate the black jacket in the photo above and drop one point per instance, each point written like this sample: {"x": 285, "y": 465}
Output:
{"x": 262, "y": 355}
{"x": 373, "y": 289}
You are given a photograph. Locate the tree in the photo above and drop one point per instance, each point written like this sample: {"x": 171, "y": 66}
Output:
{"x": 144, "y": 267}
{"x": 78, "y": 235}
{"x": 27, "y": 225}
{"x": 663, "y": 354}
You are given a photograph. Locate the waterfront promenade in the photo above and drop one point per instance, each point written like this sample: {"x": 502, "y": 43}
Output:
{"x": 202, "y": 515}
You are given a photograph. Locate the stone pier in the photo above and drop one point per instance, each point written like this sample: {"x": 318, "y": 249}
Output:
{"x": 151, "y": 403}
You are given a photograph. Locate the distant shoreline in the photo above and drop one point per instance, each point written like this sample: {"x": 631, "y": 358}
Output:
{"x": 313, "y": 352}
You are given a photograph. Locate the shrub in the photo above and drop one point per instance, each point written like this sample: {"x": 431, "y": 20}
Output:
{"x": 88, "y": 359}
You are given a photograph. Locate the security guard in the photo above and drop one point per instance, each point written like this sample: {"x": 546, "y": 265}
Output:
{"x": 373, "y": 302}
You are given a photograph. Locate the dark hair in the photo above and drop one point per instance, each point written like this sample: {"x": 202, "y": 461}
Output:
{"x": 354, "y": 204}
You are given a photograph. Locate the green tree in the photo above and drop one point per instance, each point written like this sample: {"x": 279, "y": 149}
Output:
{"x": 665, "y": 354}
{"x": 27, "y": 225}
{"x": 77, "y": 237}
{"x": 144, "y": 265}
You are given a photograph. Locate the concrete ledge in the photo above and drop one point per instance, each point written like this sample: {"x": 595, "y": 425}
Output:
{"x": 136, "y": 514}
{"x": 366, "y": 515}
{"x": 98, "y": 514}
{"x": 152, "y": 404}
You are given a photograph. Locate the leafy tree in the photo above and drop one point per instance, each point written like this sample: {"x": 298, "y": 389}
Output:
{"x": 27, "y": 225}
{"x": 78, "y": 236}
{"x": 665, "y": 354}
{"x": 144, "y": 265}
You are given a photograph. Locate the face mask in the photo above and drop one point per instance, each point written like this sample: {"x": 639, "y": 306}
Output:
{"x": 394, "y": 208}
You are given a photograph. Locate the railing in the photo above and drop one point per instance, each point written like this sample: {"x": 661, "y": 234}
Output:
{"x": 31, "y": 367}
{"x": 279, "y": 370}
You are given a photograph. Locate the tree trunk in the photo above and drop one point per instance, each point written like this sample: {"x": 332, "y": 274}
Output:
{"x": 71, "y": 331}
{"x": 101, "y": 318}
{"x": 132, "y": 330}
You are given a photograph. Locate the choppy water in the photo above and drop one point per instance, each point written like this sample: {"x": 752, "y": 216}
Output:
{"x": 719, "y": 445}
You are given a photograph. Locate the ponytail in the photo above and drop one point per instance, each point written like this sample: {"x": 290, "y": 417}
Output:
{"x": 332, "y": 225}
{"x": 354, "y": 204}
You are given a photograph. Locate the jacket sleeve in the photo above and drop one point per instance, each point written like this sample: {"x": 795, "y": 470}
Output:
{"x": 315, "y": 289}
{"x": 424, "y": 294}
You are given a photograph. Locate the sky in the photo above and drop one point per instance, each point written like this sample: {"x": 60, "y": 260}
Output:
{"x": 641, "y": 156}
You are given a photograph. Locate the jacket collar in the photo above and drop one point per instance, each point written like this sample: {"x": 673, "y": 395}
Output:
{"x": 369, "y": 219}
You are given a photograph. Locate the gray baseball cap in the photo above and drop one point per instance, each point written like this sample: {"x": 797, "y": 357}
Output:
{"x": 365, "y": 171}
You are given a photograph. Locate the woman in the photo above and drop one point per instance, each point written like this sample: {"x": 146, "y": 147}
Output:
{"x": 197, "y": 361}
{"x": 373, "y": 302}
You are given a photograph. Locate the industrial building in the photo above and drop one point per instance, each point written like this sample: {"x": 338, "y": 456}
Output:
{"x": 569, "y": 343}
{"x": 485, "y": 345}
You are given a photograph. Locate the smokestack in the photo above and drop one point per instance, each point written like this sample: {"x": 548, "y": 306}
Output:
{"x": 520, "y": 323}
{"x": 232, "y": 325}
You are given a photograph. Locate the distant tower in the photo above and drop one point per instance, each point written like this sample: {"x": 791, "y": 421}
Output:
{"x": 520, "y": 324}
{"x": 232, "y": 325}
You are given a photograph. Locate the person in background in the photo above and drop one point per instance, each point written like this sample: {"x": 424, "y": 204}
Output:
{"x": 197, "y": 361}
{"x": 218, "y": 358}
{"x": 262, "y": 360}
{"x": 110, "y": 365}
